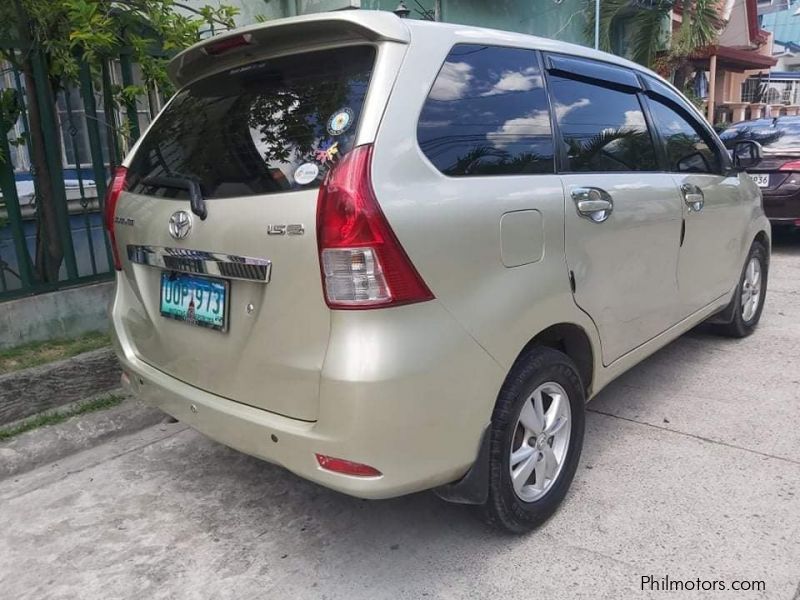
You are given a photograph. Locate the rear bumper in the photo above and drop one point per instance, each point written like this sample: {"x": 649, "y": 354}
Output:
{"x": 403, "y": 390}
{"x": 782, "y": 208}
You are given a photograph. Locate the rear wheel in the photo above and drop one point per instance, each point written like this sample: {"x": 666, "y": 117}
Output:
{"x": 748, "y": 299}
{"x": 536, "y": 441}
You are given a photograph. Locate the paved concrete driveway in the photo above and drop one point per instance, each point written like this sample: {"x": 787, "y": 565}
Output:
{"x": 691, "y": 469}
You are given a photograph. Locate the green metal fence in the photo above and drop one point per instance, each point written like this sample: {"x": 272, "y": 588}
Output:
{"x": 84, "y": 132}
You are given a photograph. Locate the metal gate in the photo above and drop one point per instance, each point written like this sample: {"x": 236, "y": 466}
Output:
{"x": 84, "y": 134}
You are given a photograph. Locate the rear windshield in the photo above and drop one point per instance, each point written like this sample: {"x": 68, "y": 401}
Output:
{"x": 776, "y": 136}
{"x": 270, "y": 126}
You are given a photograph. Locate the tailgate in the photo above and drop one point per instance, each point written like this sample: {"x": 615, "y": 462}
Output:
{"x": 272, "y": 351}
{"x": 254, "y": 141}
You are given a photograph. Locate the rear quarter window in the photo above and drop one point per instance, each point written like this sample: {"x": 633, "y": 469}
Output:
{"x": 270, "y": 126}
{"x": 487, "y": 114}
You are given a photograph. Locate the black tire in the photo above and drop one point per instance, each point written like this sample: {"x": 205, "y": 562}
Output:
{"x": 504, "y": 509}
{"x": 740, "y": 327}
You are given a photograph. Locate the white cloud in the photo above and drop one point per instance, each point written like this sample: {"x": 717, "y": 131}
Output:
{"x": 536, "y": 123}
{"x": 452, "y": 82}
{"x": 516, "y": 81}
{"x": 673, "y": 126}
{"x": 513, "y": 130}
{"x": 634, "y": 121}
{"x": 563, "y": 109}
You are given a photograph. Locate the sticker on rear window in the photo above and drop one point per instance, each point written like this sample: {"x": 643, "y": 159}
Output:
{"x": 326, "y": 152}
{"x": 340, "y": 121}
{"x": 306, "y": 173}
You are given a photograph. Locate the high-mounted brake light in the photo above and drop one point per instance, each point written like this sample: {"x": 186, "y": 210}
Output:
{"x": 792, "y": 165}
{"x": 115, "y": 188}
{"x": 227, "y": 44}
{"x": 346, "y": 467}
{"x": 363, "y": 264}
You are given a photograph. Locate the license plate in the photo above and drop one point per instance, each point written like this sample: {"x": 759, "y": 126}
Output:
{"x": 200, "y": 301}
{"x": 760, "y": 179}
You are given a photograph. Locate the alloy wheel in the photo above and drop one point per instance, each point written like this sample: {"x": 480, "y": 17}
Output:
{"x": 751, "y": 289}
{"x": 541, "y": 440}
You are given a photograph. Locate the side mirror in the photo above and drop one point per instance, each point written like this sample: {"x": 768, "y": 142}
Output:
{"x": 746, "y": 154}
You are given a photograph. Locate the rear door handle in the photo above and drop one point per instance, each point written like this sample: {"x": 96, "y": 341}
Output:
{"x": 593, "y": 203}
{"x": 693, "y": 197}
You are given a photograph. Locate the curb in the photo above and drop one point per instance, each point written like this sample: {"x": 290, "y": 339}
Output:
{"x": 48, "y": 444}
{"x": 37, "y": 389}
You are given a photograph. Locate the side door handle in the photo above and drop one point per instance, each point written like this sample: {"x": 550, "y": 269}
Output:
{"x": 593, "y": 203}
{"x": 693, "y": 197}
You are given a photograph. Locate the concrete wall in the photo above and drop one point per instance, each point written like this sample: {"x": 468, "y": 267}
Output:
{"x": 66, "y": 313}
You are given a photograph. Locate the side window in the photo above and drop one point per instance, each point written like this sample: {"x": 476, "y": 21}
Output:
{"x": 687, "y": 150}
{"x": 603, "y": 129}
{"x": 487, "y": 114}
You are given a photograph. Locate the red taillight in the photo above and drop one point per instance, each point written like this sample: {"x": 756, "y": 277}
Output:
{"x": 363, "y": 264}
{"x": 340, "y": 465}
{"x": 227, "y": 44}
{"x": 792, "y": 165}
{"x": 115, "y": 188}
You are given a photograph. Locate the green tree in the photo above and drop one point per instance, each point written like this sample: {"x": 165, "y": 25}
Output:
{"x": 64, "y": 35}
{"x": 700, "y": 27}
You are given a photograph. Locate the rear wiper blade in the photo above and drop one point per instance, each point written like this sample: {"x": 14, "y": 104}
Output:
{"x": 196, "y": 200}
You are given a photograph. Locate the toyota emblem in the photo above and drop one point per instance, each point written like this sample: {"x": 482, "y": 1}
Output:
{"x": 180, "y": 224}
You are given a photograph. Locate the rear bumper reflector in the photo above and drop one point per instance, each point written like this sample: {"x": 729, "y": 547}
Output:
{"x": 201, "y": 262}
{"x": 346, "y": 467}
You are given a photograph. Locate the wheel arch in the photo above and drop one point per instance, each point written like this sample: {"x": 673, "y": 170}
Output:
{"x": 568, "y": 338}
{"x": 763, "y": 239}
{"x": 572, "y": 340}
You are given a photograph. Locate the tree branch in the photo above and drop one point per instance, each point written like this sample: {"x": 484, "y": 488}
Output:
{"x": 137, "y": 6}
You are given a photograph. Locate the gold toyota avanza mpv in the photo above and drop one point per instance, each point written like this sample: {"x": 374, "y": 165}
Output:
{"x": 393, "y": 255}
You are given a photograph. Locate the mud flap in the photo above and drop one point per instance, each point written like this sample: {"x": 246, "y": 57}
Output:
{"x": 726, "y": 315}
{"x": 473, "y": 488}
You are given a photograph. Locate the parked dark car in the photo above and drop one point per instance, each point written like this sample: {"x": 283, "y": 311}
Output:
{"x": 778, "y": 172}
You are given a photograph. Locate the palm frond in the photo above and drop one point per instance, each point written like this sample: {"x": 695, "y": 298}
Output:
{"x": 700, "y": 27}
{"x": 646, "y": 39}
{"x": 623, "y": 146}
{"x": 609, "y": 10}
{"x": 647, "y": 26}
{"x": 706, "y": 23}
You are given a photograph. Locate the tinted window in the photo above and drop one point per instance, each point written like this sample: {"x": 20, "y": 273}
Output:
{"x": 687, "y": 150}
{"x": 602, "y": 129}
{"x": 775, "y": 136}
{"x": 487, "y": 114}
{"x": 251, "y": 129}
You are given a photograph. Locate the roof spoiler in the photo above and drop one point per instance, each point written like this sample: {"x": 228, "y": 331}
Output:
{"x": 235, "y": 47}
